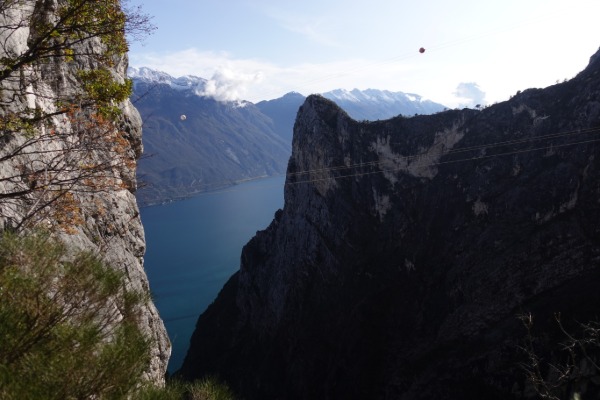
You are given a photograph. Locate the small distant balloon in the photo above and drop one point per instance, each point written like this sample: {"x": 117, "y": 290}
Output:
{"x": 422, "y": 50}
{"x": 183, "y": 117}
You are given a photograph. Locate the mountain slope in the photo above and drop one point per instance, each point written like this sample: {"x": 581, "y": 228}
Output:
{"x": 221, "y": 143}
{"x": 282, "y": 112}
{"x": 216, "y": 144}
{"x": 407, "y": 248}
{"x": 370, "y": 104}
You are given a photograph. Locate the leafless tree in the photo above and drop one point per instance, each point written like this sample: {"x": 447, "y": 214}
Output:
{"x": 573, "y": 368}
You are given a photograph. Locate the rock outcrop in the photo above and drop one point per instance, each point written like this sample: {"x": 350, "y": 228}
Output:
{"x": 104, "y": 219}
{"x": 407, "y": 249}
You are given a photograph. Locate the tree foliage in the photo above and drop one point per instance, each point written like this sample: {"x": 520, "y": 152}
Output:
{"x": 209, "y": 388}
{"x": 69, "y": 328}
{"x": 62, "y": 132}
{"x": 58, "y": 335}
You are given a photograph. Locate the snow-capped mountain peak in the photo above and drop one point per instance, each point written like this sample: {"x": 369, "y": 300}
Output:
{"x": 148, "y": 75}
{"x": 189, "y": 82}
{"x": 371, "y": 96}
{"x": 381, "y": 104}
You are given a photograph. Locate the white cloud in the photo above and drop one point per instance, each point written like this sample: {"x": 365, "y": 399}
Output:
{"x": 322, "y": 46}
{"x": 228, "y": 79}
{"x": 469, "y": 94}
{"x": 192, "y": 62}
{"x": 228, "y": 85}
{"x": 232, "y": 78}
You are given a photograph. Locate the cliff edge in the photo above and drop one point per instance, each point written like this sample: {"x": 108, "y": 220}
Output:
{"x": 407, "y": 249}
{"x": 64, "y": 165}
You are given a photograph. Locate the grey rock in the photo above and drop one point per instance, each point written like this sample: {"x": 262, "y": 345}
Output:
{"x": 111, "y": 224}
{"x": 407, "y": 248}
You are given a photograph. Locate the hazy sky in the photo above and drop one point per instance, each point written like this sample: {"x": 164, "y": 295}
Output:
{"x": 476, "y": 51}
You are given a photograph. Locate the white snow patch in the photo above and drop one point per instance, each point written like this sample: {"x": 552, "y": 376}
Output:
{"x": 342, "y": 94}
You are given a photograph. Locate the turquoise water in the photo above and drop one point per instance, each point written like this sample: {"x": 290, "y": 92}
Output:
{"x": 194, "y": 246}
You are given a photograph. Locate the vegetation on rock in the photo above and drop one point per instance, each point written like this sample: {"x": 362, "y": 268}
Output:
{"x": 209, "y": 388}
{"x": 57, "y": 314}
{"x": 61, "y": 124}
{"x": 71, "y": 324}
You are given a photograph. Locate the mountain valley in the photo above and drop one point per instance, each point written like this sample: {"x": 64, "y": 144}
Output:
{"x": 194, "y": 143}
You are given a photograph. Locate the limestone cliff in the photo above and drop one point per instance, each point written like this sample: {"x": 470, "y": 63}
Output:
{"x": 407, "y": 248}
{"x": 45, "y": 162}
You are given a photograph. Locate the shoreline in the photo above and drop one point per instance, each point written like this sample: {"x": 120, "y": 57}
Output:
{"x": 215, "y": 189}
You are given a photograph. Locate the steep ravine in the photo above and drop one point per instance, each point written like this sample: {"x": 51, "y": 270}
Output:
{"x": 407, "y": 248}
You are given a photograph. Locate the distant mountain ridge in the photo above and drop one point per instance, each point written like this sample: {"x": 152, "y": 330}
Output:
{"x": 189, "y": 83}
{"x": 282, "y": 112}
{"x": 219, "y": 143}
{"x": 369, "y": 104}
{"x": 195, "y": 143}
{"x": 373, "y": 104}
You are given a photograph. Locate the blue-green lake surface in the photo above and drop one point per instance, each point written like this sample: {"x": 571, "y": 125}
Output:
{"x": 194, "y": 246}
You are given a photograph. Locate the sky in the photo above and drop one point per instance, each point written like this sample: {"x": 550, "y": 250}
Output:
{"x": 476, "y": 52}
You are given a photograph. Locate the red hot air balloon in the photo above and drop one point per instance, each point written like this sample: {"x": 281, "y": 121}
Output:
{"x": 422, "y": 50}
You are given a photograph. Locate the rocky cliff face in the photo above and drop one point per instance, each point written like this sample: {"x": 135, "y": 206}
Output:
{"x": 104, "y": 219}
{"x": 408, "y": 247}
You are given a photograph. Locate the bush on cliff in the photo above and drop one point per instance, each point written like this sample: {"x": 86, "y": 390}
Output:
{"x": 209, "y": 388}
{"x": 58, "y": 336}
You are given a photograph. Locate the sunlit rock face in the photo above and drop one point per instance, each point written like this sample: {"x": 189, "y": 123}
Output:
{"x": 407, "y": 249}
{"x": 108, "y": 221}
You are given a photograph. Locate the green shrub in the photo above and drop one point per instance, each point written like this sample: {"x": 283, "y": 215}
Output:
{"x": 174, "y": 390}
{"x": 206, "y": 389}
{"x": 209, "y": 389}
{"x": 68, "y": 327}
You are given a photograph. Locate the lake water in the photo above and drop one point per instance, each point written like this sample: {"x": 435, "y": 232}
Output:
{"x": 194, "y": 246}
